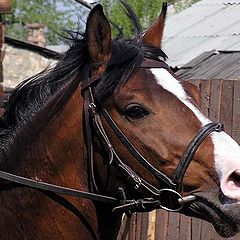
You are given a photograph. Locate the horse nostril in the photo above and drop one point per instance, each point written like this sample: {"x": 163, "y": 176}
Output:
{"x": 230, "y": 186}
{"x": 234, "y": 180}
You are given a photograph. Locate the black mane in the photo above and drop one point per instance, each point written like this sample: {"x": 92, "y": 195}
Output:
{"x": 47, "y": 92}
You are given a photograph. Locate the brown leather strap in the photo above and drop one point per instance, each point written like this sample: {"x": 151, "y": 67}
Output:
{"x": 151, "y": 63}
{"x": 147, "y": 63}
{"x": 90, "y": 82}
{"x": 88, "y": 132}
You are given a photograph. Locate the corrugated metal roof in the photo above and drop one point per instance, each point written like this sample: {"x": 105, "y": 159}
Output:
{"x": 218, "y": 2}
{"x": 212, "y": 65}
{"x": 207, "y": 25}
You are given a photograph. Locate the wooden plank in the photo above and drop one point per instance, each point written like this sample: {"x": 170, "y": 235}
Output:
{"x": 138, "y": 225}
{"x": 125, "y": 235}
{"x": 185, "y": 228}
{"x": 196, "y": 228}
{"x": 132, "y": 228}
{"x": 144, "y": 230}
{"x": 123, "y": 232}
{"x": 236, "y": 112}
{"x": 206, "y": 231}
{"x": 173, "y": 226}
{"x": 5, "y": 6}
{"x": 227, "y": 106}
{"x": 215, "y": 100}
{"x": 151, "y": 225}
{"x": 161, "y": 225}
{"x": 205, "y": 96}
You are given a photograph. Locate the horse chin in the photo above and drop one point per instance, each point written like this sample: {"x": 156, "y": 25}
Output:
{"x": 225, "y": 217}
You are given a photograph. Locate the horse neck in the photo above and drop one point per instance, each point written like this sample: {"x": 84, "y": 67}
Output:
{"x": 55, "y": 156}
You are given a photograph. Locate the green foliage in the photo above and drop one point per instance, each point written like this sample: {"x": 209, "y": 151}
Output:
{"x": 55, "y": 15}
{"x": 181, "y": 5}
{"x": 146, "y": 10}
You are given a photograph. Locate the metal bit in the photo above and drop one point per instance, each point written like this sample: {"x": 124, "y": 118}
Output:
{"x": 187, "y": 199}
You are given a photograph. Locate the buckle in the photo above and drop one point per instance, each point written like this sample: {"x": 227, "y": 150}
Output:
{"x": 92, "y": 106}
{"x": 137, "y": 182}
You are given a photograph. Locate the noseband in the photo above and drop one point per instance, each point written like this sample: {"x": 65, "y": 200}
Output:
{"x": 168, "y": 197}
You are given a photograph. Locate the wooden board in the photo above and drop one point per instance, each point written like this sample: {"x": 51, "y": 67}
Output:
{"x": 236, "y": 112}
{"x": 215, "y": 100}
{"x": 174, "y": 222}
{"x": 5, "y": 6}
{"x": 227, "y": 106}
{"x": 161, "y": 226}
{"x": 185, "y": 228}
{"x": 205, "y": 96}
{"x": 144, "y": 230}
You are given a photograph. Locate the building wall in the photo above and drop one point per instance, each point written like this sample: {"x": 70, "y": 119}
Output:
{"x": 19, "y": 64}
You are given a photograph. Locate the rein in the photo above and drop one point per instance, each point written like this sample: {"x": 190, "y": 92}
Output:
{"x": 158, "y": 198}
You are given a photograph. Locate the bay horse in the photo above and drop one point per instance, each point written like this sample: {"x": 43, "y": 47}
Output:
{"x": 111, "y": 130}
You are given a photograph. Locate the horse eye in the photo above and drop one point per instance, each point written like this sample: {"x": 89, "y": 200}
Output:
{"x": 135, "y": 111}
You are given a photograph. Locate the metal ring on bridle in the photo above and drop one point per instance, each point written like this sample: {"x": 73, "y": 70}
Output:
{"x": 173, "y": 201}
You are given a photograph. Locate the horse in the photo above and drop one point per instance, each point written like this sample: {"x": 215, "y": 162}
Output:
{"x": 110, "y": 130}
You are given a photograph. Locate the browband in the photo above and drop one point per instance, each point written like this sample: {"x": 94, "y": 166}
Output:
{"x": 147, "y": 63}
{"x": 152, "y": 63}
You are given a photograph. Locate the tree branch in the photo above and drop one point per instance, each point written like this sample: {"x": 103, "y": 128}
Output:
{"x": 84, "y": 3}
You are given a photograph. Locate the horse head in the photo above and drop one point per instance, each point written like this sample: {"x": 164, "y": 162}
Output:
{"x": 162, "y": 118}
{"x": 112, "y": 119}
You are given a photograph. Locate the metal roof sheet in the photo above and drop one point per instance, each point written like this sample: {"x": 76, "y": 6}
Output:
{"x": 218, "y": 2}
{"x": 207, "y": 25}
{"x": 213, "y": 65}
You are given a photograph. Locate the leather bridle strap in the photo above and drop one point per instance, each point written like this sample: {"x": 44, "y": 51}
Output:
{"x": 86, "y": 93}
{"x": 176, "y": 182}
{"x": 57, "y": 189}
{"x": 132, "y": 149}
{"x": 191, "y": 150}
{"x": 147, "y": 63}
{"x": 151, "y": 63}
{"x": 113, "y": 158}
{"x": 120, "y": 205}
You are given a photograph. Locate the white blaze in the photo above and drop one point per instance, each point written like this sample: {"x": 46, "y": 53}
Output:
{"x": 226, "y": 150}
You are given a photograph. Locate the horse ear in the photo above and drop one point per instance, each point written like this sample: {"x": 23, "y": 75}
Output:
{"x": 153, "y": 36}
{"x": 98, "y": 34}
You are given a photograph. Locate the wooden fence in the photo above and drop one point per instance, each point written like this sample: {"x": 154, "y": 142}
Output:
{"x": 220, "y": 102}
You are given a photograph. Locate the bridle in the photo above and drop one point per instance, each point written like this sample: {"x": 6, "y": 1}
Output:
{"x": 168, "y": 197}
{"x": 172, "y": 187}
